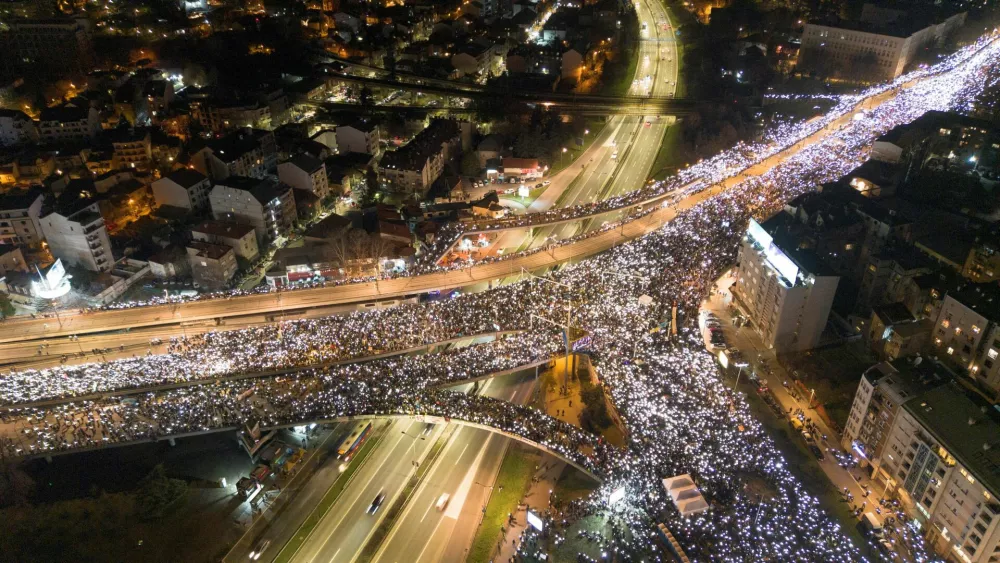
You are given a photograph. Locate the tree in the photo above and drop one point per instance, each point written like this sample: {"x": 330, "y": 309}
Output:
{"x": 157, "y": 493}
{"x": 371, "y": 188}
{"x": 6, "y": 307}
{"x": 470, "y": 164}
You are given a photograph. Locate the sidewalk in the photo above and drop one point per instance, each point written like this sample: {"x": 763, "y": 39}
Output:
{"x": 748, "y": 342}
{"x": 536, "y": 500}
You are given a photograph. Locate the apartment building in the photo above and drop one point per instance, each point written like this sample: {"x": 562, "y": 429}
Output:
{"x": 68, "y": 124}
{"x": 183, "y": 188}
{"x": 19, "y": 217}
{"x": 16, "y": 128}
{"x": 783, "y": 290}
{"x": 79, "y": 237}
{"x": 364, "y": 136}
{"x": 941, "y": 460}
{"x": 241, "y": 238}
{"x": 882, "y": 41}
{"x": 131, "y": 149}
{"x": 881, "y": 392}
{"x": 248, "y": 152}
{"x": 967, "y": 335}
{"x": 60, "y": 45}
{"x": 306, "y": 173}
{"x": 411, "y": 169}
{"x": 267, "y": 205}
{"x": 212, "y": 265}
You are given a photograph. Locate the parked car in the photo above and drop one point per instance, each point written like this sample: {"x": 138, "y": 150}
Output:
{"x": 817, "y": 452}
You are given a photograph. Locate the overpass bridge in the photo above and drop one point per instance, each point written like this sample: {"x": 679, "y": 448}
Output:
{"x": 583, "y": 450}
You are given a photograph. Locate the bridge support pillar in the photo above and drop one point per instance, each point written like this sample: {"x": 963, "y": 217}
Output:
{"x": 172, "y": 442}
{"x": 48, "y": 458}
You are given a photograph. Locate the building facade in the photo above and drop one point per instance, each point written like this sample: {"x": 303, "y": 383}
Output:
{"x": 212, "y": 265}
{"x": 241, "y": 238}
{"x": 183, "y": 188}
{"x": 266, "y": 205}
{"x": 79, "y": 238}
{"x": 16, "y": 128}
{"x": 19, "y": 218}
{"x": 305, "y": 173}
{"x": 787, "y": 304}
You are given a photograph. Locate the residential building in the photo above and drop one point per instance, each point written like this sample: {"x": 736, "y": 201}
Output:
{"x": 16, "y": 128}
{"x": 940, "y": 459}
{"x": 306, "y": 173}
{"x": 132, "y": 149}
{"x": 364, "y": 136}
{"x": 967, "y": 335}
{"x": 882, "y": 390}
{"x": 241, "y": 238}
{"x": 79, "y": 237}
{"x": 267, "y": 205}
{"x": 411, "y": 169}
{"x": 12, "y": 259}
{"x": 783, "y": 290}
{"x": 171, "y": 262}
{"x": 212, "y": 265}
{"x": 878, "y": 47}
{"x": 895, "y": 333}
{"x": 19, "y": 217}
{"x": 60, "y": 45}
{"x": 68, "y": 124}
{"x": 183, "y": 188}
{"x": 247, "y": 152}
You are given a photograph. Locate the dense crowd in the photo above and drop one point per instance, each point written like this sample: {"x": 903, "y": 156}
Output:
{"x": 680, "y": 417}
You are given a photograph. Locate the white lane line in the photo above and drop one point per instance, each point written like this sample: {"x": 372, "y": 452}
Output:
{"x": 461, "y": 454}
{"x": 335, "y": 554}
{"x": 426, "y": 511}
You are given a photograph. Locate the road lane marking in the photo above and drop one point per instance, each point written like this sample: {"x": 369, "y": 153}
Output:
{"x": 461, "y": 454}
{"x": 426, "y": 511}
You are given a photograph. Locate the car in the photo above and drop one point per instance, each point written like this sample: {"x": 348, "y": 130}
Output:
{"x": 376, "y": 502}
{"x": 510, "y": 190}
{"x": 648, "y": 124}
{"x": 442, "y": 501}
{"x": 428, "y": 428}
{"x": 546, "y": 182}
{"x": 513, "y": 180}
{"x": 538, "y": 186}
{"x": 817, "y": 452}
{"x": 258, "y": 550}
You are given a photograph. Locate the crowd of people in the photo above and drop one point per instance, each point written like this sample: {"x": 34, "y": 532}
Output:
{"x": 680, "y": 417}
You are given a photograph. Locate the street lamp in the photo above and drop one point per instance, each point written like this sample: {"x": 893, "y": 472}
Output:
{"x": 562, "y": 158}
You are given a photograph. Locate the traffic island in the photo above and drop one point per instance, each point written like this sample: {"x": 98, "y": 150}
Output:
{"x": 511, "y": 484}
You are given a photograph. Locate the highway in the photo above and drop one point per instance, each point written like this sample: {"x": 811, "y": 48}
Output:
{"x": 344, "y": 531}
{"x": 465, "y": 470}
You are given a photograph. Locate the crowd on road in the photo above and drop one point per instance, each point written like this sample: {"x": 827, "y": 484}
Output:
{"x": 680, "y": 417}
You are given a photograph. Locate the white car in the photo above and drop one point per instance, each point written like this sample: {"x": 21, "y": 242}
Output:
{"x": 546, "y": 182}
{"x": 259, "y": 550}
{"x": 442, "y": 501}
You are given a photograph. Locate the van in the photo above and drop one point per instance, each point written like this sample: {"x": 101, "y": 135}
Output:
{"x": 871, "y": 525}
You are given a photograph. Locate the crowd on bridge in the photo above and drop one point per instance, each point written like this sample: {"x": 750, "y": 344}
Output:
{"x": 679, "y": 416}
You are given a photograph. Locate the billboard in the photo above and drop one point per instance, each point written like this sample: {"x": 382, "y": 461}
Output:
{"x": 535, "y": 521}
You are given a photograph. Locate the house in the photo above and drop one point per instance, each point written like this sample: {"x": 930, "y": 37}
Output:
{"x": 184, "y": 188}
{"x": 267, "y": 205}
{"x": 241, "y": 238}
{"x": 524, "y": 168}
{"x": 361, "y": 136}
{"x": 212, "y": 265}
{"x": 171, "y": 262}
{"x": 572, "y": 65}
{"x": 131, "y": 149}
{"x": 11, "y": 259}
{"x": 489, "y": 148}
{"x": 306, "y": 173}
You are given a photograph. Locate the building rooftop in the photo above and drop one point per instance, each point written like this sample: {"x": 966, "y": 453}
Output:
{"x": 893, "y": 313}
{"x": 186, "y": 177}
{"x": 226, "y": 229}
{"x": 263, "y": 190}
{"x": 365, "y": 125}
{"x": 967, "y": 429}
{"x": 983, "y": 298}
{"x": 64, "y": 114}
{"x": 209, "y": 250}
{"x": 19, "y": 199}
{"x": 306, "y": 163}
{"x": 414, "y": 154}
{"x": 236, "y": 144}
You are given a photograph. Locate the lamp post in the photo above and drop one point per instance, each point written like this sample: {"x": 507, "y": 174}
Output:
{"x": 569, "y": 317}
{"x": 562, "y": 158}
{"x": 740, "y": 365}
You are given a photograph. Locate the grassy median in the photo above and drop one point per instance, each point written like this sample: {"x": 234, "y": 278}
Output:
{"x": 329, "y": 499}
{"x": 512, "y": 483}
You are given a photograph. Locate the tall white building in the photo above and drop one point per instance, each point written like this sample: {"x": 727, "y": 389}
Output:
{"x": 79, "y": 238}
{"x": 304, "y": 172}
{"x": 782, "y": 290}
{"x": 265, "y": 204}
{"x": 19, "y": 217}
{"x": 943, "y": 458}
{"x": 68, "y": 124}
{"x": 361, "y": 136}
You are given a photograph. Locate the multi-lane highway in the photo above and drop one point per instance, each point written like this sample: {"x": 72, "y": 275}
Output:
{"x": 464, "y": 468}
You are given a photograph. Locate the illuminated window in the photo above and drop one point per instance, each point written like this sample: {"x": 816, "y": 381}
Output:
{"x": 937, "y": 340}
{"x": 993, "y": 354}
{"x": 958, "y": 330}
{"x": 975, "y": 329}
{"x": 987, "y": 495}
{"x": 950, "y": 350}
{"x": 945, "y": 323}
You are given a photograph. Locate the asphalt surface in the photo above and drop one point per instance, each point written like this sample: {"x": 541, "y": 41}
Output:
{"x": 465, "y": 470}
{"x": 347, "y": 527}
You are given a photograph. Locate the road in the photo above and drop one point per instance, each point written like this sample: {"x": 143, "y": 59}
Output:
{"x": 70, "y": 323}
{"x": 345, "y": 530}
{"x": 466, "y": 470}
